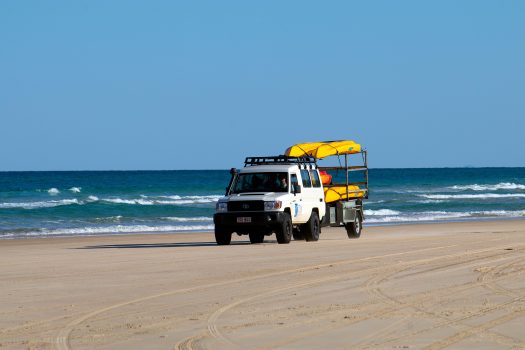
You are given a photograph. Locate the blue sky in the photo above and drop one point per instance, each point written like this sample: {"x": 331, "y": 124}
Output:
{"x": 94, "y": 85}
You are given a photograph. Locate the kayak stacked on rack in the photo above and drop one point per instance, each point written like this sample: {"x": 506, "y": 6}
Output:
{"x": 319, "y": 150}
{"x": 323, "y": 149}
{"x": 339, "y": 193}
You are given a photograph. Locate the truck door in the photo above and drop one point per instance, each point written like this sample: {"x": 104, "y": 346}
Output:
{"x": 318, "y": 193}
{"x": 309, "y": 196}
{"x": 297, "y": 207}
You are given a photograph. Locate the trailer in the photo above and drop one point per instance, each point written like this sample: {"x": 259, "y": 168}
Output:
{"x": 343, "y": 196}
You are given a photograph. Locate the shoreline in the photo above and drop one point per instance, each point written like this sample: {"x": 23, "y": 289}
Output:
{"x": 365, "y": 225}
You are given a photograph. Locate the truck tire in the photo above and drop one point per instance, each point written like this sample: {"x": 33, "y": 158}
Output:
{"x": 256, "y": 237}
{"x": 353, "y": 229}
{"x": 297, "y": 234}
{"x": 311, "y": 228}
{"x": 222, "y": 237}
{"x": 284, "y": 231}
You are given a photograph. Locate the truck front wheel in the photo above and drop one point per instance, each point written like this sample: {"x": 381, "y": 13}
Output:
{"x": 222, "y": 237}
{"x": 311, "y": 228}
{"x": 284, "y": 231}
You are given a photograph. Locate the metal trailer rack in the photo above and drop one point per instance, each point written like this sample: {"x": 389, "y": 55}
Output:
{"x": 348, "y": 211}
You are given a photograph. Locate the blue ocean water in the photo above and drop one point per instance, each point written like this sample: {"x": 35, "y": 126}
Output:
{"x": 88, "y": 203}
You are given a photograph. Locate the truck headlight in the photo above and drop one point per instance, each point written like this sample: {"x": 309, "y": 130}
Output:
{"x": 273, "y": 205}
{"x": 221, "y": 207}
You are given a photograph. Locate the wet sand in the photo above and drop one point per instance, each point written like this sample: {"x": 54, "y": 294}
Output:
{"x": 454, "y": 285}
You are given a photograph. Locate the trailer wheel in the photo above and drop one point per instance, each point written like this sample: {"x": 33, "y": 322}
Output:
{"x": 297, "y": 234}
{"x": 284, "y": 231}
{"x": 311, "y": 228}
{"x": 353, "y": 229}
{"x": 222, "y": 237}
{"x": 256, "y": 237}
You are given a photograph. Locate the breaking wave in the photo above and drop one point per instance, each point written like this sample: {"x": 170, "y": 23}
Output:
{"x": 87, "y": 231}
{"x": 115, "y": 218}
{"x": 127, "y": 201}
{"x": 165, "y": 200}
{"x": 37, "y": 205}
{"x": 444, "y": 216}
{"x": 500, "y": 186}
{"x": 473, "y": 196}
{"x": 119, "y": 229}
{"x": 375, "y": 202}
{"x": 75, "y": 189}
{"x": 181, "y": 219}
{"x": 53, "y": 191}
{"x": 431, "y": 201}
{"x": 182, "y": 200}
{"x": 381, "y": 212}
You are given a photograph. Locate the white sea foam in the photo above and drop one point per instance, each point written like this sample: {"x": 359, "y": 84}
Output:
{"x": 473, "y": 196}
{"x": 53, "y": 191}
{"x": 110, "y": 230}
{"x": 128, "y": 201}
{"x": 166, "y": 200}
{"x": 92, "y": 198}
{"x": 500, "y": 186}
{"x": 500, "y": 213}
{"x": 444, "y": 215}
{"x": 184, "y": 201}
{"x": 37, "y": 205}
{"x": 180, "y": 219}
{"x": 431, "y": 201}
{"x": 198, "y": 199}
{"x": 212, "y": 198}
{"x": 109, "y": 219}
{"x": 75, "y": 189}
{"x": 381, "y": 212}
{"x": 169, "y": 197}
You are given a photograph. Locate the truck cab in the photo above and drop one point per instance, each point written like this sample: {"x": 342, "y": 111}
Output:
{"x": 282, "y": 195}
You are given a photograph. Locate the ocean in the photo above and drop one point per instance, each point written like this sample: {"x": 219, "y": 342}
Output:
{"x": 40, "y": 204}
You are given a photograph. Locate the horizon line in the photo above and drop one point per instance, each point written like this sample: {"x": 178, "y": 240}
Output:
{"x": 228, "y": 169}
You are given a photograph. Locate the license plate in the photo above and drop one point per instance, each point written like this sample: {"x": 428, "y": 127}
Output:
{"x": 244, "y": 219}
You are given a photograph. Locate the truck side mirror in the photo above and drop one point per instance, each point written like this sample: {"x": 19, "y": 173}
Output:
{"x": 296, "y": 188}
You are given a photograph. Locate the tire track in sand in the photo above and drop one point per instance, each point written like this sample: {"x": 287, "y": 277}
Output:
{"x": 212, "y": 321}
{"x": 407, "y": 302}
{"x": 395, "y": 305}
{"x": 62, "y": 339}
{"x": 187, "y": 344}
{"x": 486, "y": 279}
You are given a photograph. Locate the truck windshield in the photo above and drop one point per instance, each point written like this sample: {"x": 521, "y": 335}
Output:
{"x": 261, "y": 182}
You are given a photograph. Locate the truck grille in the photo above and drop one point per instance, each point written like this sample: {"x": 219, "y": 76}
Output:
{"x": 246, "y": 206}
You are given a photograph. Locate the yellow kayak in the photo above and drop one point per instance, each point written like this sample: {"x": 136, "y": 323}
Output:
{"x": 323, "y": 149}
{"x": 337, "y": 193}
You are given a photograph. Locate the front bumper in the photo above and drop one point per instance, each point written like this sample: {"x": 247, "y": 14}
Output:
{"x": 259, "y": 220}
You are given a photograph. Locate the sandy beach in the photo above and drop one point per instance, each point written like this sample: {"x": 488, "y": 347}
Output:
{"x": 453, "y": 285}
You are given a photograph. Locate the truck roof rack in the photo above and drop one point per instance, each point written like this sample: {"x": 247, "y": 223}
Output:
{"x": 280, "y": 160}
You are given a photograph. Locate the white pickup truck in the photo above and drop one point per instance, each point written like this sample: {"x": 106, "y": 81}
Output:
{"x": 272, "y": 194}
{"x": 289, "y": 195}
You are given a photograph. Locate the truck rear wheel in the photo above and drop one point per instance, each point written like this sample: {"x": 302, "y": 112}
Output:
{"x": 284, "y": 231}
{"x": 311, "y": 228}
{"x": 354, "y": 228}
{"x": 256, "y": 237}
{"x": 222, "y": 237}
